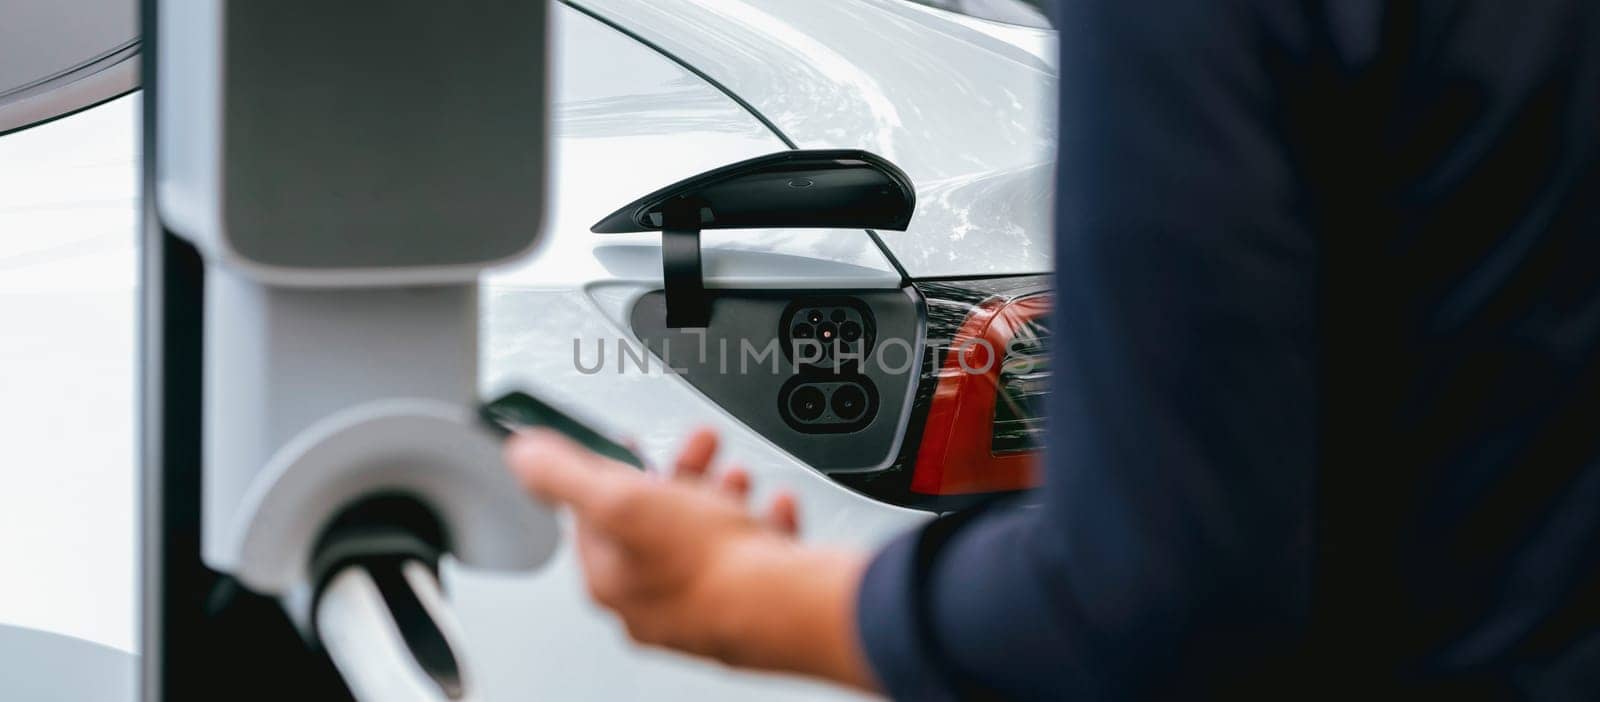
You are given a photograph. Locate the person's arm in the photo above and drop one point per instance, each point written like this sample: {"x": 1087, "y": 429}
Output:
{"x": 1175, "y": 519}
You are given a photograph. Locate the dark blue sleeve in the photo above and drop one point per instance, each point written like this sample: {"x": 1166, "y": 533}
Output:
{"x": 1175, "y": 515}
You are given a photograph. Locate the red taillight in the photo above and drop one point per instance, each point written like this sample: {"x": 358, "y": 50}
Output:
{"x": 983, "y": 422}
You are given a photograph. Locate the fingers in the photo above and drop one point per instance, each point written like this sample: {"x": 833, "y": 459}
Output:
{"x": 735, "y": 483}
{"x": 695, "y": 458}
{"x": 783, "y": 514}
{"x": 694, "y": 464}
{"x": 557, "y": 469}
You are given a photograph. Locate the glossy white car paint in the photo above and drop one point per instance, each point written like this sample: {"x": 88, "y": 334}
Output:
{"x": 961, "y": 104}
{"x": 965, "y": 106}
{"x": 36, "y": 665}
{"x": 68, "y": 482}
{"x": 627, "y": 120}
{"x": 59, "y": 55}
{"x": 620, "y": 102}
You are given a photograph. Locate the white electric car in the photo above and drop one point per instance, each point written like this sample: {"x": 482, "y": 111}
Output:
{"x": 647, "y": 94}
{"x": 933, "y": 399}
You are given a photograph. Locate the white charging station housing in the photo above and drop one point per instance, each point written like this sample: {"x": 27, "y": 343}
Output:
{"x": 365, "y": 143}
{"x": 346, "y": 170}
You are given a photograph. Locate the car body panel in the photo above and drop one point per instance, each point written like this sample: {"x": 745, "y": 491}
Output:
{"x": 537, "y": 636}
{"x": 69, "y": 208}
{"x": 61, "y": 56}
{"x": 42, "y": 665}
{"x": 883, "y": 75}
{"x": 626, "y": 121}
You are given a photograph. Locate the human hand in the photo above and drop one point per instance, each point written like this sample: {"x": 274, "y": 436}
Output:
{"x": 685, "y": 564}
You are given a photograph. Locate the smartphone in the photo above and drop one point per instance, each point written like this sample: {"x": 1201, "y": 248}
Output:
{"x": 519, "y": 410}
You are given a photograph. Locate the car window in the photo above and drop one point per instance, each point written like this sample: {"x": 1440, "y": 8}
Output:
{"x": 68, "y": 497}
{"x": 1028, "y": 13}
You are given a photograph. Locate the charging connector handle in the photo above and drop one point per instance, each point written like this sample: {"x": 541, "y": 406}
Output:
{"x": 390, "y": 631}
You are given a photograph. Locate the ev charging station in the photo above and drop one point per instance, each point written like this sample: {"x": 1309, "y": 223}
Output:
{"x": 324, "y": 182}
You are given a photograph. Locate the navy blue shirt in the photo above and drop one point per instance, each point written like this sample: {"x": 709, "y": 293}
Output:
{"x": 1326, "y": 414}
